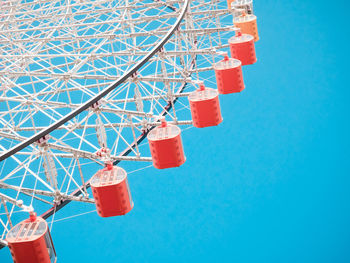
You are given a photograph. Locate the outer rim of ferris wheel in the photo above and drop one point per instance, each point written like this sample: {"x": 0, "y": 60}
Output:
{"x": 95, "y": 99}
{"x": 170, "y": 102}
{"x": 103, "y": 93}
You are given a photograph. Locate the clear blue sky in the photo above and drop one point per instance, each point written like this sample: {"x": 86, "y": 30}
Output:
{"x": 270, "y": 184}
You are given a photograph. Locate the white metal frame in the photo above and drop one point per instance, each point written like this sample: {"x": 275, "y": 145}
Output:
{"x": 56, "y": 55}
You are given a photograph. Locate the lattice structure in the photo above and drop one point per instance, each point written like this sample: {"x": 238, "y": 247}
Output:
{"x": 83, "y": 82}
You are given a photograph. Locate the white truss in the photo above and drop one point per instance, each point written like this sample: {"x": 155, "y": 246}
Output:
{"x": 57, "y": 54}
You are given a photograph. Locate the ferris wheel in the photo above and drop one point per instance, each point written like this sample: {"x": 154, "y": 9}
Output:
{"x": 87, "y": 84}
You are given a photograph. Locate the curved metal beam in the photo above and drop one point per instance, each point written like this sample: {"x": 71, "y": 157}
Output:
{"x": 36, "y": 137}
{"x": 99, "y": 96}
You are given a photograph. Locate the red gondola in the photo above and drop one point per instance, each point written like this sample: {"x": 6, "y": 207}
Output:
{"x": 205, "y": 107}
{"x": 111, "y": 191}
{"x": 229, "y": 75}
{"x": 166, "y": 146}
{"x": 242, "y": 47}
{"x": 30, "y": 242}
